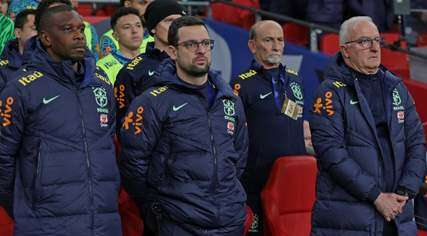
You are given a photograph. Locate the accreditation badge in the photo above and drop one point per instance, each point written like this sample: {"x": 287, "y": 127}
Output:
{"x": 291, "y": 108}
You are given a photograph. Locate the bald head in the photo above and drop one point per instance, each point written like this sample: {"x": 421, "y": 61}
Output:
{"x": 266, "y": 43}
{"x": 264, "y": 24}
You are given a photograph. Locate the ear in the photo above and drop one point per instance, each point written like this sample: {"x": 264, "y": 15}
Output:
{"x": 252, "y": 46}
{"x": 172, "y": 51}
{"x": 17, "y": 32}
{"x": 116, "y": 37}
{"x": 127, "y": 4}
{"x": 45, "y": 39}
{"x": 344, "y": 51}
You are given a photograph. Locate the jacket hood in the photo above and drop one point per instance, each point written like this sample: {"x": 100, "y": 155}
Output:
{"x": 167, "y": 76}
{"x": 37, "y": 58}
{"x": 12, "y": 54}
{"x": 337, "y": 70}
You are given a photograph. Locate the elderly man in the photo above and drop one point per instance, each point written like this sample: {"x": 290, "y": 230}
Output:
{"x": 369, "y": 142}
{"x": 268, "y": 91}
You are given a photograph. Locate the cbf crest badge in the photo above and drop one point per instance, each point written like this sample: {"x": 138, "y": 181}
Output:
{"x": 229, "y": 107}
{"x": 100, "y": 96}
{"x": 396, "y": 98}
{"x": 296, "y": 90}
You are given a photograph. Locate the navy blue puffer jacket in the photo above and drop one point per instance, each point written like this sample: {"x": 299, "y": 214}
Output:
{"x": 350, "y": 155}
{"x": 184, "y": 156}
{"x": 57, "y": 158}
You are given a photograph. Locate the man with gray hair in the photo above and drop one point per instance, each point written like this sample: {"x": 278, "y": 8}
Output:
{"x": 369, "y": 142}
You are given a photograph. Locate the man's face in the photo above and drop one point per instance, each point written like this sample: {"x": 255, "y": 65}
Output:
{"x": 129, "y": 31}
{"x": 363, "y": 50}
{"x": 162, "y": 28}
{"x": 193, "y": 52}
{"x": 140, "y": 5}
{"x": 65, "y": 38}
{"x": 268, "y": 44}
{"x": 28, "y": 30}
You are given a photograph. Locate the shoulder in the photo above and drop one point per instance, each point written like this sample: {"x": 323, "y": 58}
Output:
{"x": 246, "y": 75}
{"x": 134, "y": 62}
{"x": 102, "y": 77}
{"x": 26, "y": 78}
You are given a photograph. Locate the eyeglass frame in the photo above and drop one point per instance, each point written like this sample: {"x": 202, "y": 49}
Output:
{"x": 198, "y": 44}
{"x": 379, "y": 40}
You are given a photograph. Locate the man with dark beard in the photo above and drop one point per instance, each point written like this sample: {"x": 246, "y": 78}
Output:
{"x": 184, "y": 143}
{"x": 273, "y": 99}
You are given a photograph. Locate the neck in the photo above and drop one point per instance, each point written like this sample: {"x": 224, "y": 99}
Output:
{"x": 365, "y": 71}
{"x": 128, "y": 53}
{"x": 194, "y": 80}
{"x": 21, "y": 48}
{"x": 160, "y": 44}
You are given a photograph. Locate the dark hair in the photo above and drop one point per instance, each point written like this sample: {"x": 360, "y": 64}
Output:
{"x": 122, "y": 2}
{"x": 179, "y": 23}
{"x": 22, "y": 17}
{"x": 45, "y": 22}
{"x": 44, "y": 5}
{"x": 122, "y": 11}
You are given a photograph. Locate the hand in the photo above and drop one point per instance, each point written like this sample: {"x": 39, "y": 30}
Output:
{"x": 390, "y": 205}
{"x": 423, "y": 189}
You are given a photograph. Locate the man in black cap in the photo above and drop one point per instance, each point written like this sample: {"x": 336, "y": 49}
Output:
{"x": 136, "y": 76}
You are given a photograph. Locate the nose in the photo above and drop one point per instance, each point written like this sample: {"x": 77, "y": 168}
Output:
{"x": 79, "y": 35}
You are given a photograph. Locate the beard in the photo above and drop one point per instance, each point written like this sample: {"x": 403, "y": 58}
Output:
{"x": 196, "y": 71}
{"x": 274, "y": 58}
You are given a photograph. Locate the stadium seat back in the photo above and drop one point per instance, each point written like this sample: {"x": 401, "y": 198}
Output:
{"x": 289, "y": 195}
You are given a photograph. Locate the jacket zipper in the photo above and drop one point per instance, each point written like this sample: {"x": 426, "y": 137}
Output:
{"x": 88, "y": 164}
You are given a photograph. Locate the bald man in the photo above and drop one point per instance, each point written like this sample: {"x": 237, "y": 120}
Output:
{"x": 273, "y": 99}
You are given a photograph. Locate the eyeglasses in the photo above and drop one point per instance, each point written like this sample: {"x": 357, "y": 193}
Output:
{"x": 366, "y": 42}
{"x": 193, "y": 45}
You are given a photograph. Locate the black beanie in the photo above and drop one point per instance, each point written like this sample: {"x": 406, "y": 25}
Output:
{"x": 160, "y": 9}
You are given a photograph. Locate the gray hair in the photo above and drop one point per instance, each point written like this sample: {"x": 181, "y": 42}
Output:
{"x": 347, "y": 25}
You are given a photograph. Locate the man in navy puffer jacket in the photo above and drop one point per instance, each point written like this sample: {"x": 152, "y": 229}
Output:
{"x": 369, "y": 142}
{"x": 58, "y": 172}
{"x": 184, "y": 144}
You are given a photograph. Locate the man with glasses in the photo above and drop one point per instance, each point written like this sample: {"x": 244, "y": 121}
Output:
{"x": 136, "y": 75}
{"x": 369, "y": 142}
{"x": 268, "y": 91}
{"x": 184, "y": 143}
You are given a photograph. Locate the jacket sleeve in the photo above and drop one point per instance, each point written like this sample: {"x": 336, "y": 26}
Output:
{"x": 241, "y": 141}
{"x": 124, "y": 94}
{"x": 11, "y": 131}
{"x": 415, "y": 165}
{"x": 327, "y": 125}
{"x": 139, "y": 134}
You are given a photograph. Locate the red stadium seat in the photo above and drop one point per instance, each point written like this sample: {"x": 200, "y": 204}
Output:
{"x": 296, "y": 34}
{"x": 329, "y": 44}
{"x": 289, "y": 195}
{"x": 6, "y": 224}
{"x": 397, "y": 62}
{"x": 422, "y": 233}
{"x": 249, "y": 219}
{"x": 233, "y": 15}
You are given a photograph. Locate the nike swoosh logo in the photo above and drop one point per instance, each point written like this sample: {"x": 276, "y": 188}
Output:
{"x": 353, "y": 102}
{"x": 150, "y": 73}
{"x": 262, "y": 96}
{"x": 47, "y": 101}
{"x": 174, "y": 108}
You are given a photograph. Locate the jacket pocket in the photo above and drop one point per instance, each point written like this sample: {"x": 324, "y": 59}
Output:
{"x": 37, "y": 176}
